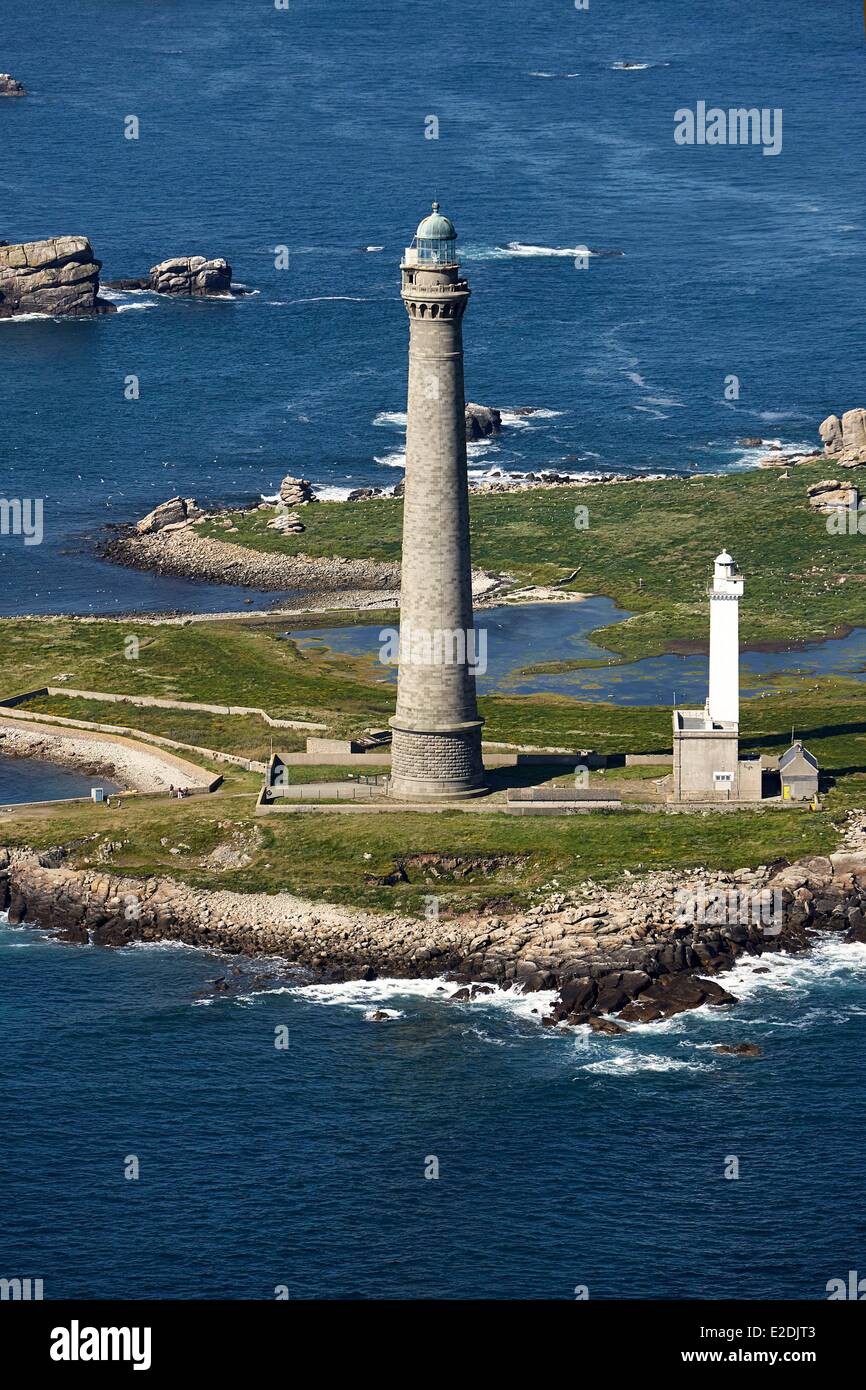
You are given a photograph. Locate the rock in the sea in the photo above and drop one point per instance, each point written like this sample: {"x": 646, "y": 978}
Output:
{"x": 191, "y": 275}
{"x": 56, "y": 276}
{"x": 674, "y": 994}
{"x": 296, "y": 492}
{"x": 751, "y": 441}
{"x": 845, "y": 439}
{"x": 481, "y": 420}
{"x": 10, "y": 86}
{"x": 830, "y": 494}
{"x": 177, "y": 511}
{"x": 740, "y": 1049}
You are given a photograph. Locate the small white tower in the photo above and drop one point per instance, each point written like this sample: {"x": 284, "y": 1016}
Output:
{"x": 726, "y": 590}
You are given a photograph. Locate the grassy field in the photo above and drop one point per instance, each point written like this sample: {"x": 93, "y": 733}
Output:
{"x": 649, "y": 546}
{"x": 343, "y": 858}
{"x": 801, "y": 582}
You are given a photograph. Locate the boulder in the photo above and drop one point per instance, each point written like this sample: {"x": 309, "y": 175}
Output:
{"x": 606, "y": 1026}
{"x": 191, "y": 275}
{"x": 177, "y": 511}
{"x": 674, "y": 994}
{"x": 133, "y": 283}
{"x": 751, "y": 442}
{"x": 845, "y": 440}
{"x": 739, "y": 1049}
{"x": 287, "y": 523}
{"x": 56, "y": 276}
{"x": 361, "y": 494}
{"x": 296, "y": 492}
{"x": 10, "y": 86}
{"x": 830, "y": 494}
{"x": 481, "y": 420}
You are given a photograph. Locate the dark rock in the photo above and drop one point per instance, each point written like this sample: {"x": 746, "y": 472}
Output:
{"x": 739, "y": 1049}
{"x": 136, "y": 283}
{"x": 606, "y": 1025}
{"x": 751, "y": 442}
{"x": 539, "y": 979}
{"x": 360, "y": 494}
{"x": 578, "y": 994}
{"x": 674, "y": 994}
{"x": 59, "y": 276}
{"x": 481, "y": 420}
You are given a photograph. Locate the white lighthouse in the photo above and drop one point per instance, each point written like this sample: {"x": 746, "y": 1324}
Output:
{"x": 726, "y": 590}
{"x": 707, "y": 762}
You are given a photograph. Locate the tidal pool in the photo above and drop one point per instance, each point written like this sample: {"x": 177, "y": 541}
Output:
{"x": 521, "y": 635}
{"x": 34, "y": 779}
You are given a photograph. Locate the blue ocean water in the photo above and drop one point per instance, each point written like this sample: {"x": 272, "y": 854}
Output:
{"x": 564, "y": 1160}
{"x": 34, "y": 779}
{"x": 305, "y": 129}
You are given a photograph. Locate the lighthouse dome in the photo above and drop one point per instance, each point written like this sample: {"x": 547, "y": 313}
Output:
{"x": 436, "y": 227}
{"x": 435, "y": 238}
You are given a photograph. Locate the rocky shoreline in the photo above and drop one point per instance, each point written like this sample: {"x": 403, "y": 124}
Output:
{"x": 634, "y": 953}
{"x": 329, "y": 583}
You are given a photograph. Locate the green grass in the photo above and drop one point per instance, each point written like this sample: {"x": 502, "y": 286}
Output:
{"x": 649, "y": 546}
{"x": 664, "y": 534}
{"x": 323, "y": 856}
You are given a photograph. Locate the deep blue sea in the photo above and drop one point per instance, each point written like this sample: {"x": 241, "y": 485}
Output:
{"x": 305, "y": 129}
{"x": 562, "y": 1161}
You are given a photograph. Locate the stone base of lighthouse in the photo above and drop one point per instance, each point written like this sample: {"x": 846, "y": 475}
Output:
{"x": 437, "y": 764}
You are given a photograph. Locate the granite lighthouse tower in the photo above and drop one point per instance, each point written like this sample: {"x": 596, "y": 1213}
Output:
{"x": 436, "y": 750}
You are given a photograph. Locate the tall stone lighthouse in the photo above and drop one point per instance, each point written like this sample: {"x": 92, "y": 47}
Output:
{"x": 436, "y": 749}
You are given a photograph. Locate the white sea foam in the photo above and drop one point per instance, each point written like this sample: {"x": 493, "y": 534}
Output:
{"x": 391, "y": 417}
{"x": 328, "y": 492}
{"x": 368, "y": 995}
{"x": 520, "y": 248}
{"x": 329, "y": 298}
{"x": 629, "y": 1063}
{"x": 553, "y": 74}
{"x": 396, "y": 460}
{"x": 526, "y": 422}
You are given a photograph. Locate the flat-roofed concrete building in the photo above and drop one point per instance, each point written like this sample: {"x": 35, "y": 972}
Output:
{"x": 707, "y": 762}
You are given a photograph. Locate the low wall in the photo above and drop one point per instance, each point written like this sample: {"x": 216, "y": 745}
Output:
{"x": 561, "y": 808}
{"x": 649, "y": 759}
{"x": 158, "y": 702}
